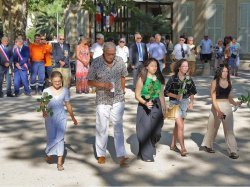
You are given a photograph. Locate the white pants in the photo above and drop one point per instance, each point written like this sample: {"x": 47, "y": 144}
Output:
{"x": 104, "y": 113}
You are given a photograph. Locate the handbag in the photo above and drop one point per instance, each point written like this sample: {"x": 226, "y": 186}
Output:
{"x": 172, "y": 111}
{"x": 233, "y": 55}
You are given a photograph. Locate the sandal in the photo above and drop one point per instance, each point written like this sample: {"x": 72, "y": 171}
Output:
{"x": 184, "y": 152}
{"x": 60, "y": 167}
{"x": 174, "y": 148}
{"x": 49, "y": 159}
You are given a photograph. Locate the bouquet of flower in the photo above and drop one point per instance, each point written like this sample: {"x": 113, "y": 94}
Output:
{"x": 243, "y": 99}
{"x": 44, "y": 104}
{"x": 152, "y": 89}
{"x": 184, "y": 82}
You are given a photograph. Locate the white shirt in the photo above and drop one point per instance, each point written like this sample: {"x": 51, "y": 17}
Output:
{"x": 97, "y": 50}
{"x": 206, "y": 46}
{"x": 178, "y": 52}
{"x": 122, "y": 52}
{"x": 157, "y": 50}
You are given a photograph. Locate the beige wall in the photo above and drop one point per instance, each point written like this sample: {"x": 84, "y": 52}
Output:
{"x": 231, "y": 17}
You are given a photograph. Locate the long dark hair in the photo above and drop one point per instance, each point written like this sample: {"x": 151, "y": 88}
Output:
{"x": 143, "y": 71}
{"x": 217, "y": 77}
{"x": 178, "y": 65}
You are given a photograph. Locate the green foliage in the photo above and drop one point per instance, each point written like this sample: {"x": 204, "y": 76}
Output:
{"x": 44, "y": 16}
{"x": 30, "y": 33}
{"x": 245, "y": 99}
{"x": 183, "y": 89}
{"x": 44, "y": 101}
{"x": 148, "y": 24}
{"x": 152, "y": 90}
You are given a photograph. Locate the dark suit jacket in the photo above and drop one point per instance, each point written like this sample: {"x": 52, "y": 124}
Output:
{"x": 25, "y": 53}
{"x": 8, "y": 52}
{"x": 134, "y": 55}
{"x": 59, "y": 54}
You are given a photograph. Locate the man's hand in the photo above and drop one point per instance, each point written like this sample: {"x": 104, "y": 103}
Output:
{"x": 163, "y": 65}
{"x": 107, "y": 85}
{"x": 62, "y": 63}
{"x": 18, "y": 66}
{"x": 6, "y": 64}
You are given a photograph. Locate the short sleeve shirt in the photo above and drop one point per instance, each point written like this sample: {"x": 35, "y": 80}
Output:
{"x": 97, "y": 50}
{"x": 157, "y": 50}
{"x": 206, "y": 46}
{"x": 174, "y": 84}
{"x": 99, "y": 71}
{"x": 178, "y": 52}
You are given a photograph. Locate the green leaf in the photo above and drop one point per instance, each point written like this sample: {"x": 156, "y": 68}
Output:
{"x": 38, "y": 110}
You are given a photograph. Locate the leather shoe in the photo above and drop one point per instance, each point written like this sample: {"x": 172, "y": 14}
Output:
{"x": 209, "y": 150}
{"x": 234, "y": 155}
{"x": 123, "y": 162}
{"x": 101, "y": 160}
{"x": 10, "y": 95}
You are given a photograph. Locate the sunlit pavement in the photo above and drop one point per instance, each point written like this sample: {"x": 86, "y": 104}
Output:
{"x": 22, "y": 142}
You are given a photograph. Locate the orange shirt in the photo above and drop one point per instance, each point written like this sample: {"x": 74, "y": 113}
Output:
{"x": 37, "y": 52}
{"x": 47, "y": 58}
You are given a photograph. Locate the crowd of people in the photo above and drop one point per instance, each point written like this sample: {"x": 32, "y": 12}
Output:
{"x": 103, "y": 67}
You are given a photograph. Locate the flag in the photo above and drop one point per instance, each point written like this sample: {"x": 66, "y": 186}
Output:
{"x": 113, "y": 15}
{"x": 99, "y": 11}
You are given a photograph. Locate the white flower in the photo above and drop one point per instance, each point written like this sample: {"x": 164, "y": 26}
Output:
{"x": 187, "y": 77}
{"x": 154, "y": 78}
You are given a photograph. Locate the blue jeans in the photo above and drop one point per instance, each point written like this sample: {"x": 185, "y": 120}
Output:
{"x": 37, "y": 69}
{"x": 48, "y": 71}
{"x": 5, "y": 72}
{"x": 21, "y": 77}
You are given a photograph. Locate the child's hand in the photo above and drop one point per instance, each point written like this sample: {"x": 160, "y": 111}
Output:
{"x": 74, "y": 121}
{"x": 45, "y": 114}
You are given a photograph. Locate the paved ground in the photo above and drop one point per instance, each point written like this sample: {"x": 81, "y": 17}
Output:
{"x": 22, "y": 142}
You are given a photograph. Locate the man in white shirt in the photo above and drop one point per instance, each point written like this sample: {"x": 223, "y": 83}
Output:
{"x": 158, "y": 51}
{"x": 122, "y": 50}
{"x": 181, "y": 50}
{"x": 96, "y": 49}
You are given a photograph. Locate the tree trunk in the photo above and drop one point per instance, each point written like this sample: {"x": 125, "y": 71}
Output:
{"x": 14, "y": 18}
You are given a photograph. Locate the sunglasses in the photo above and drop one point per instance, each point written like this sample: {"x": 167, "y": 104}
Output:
{"x": 99, "y": 38}
{"x": 122, "y": 42}
{"x": 61, "y": 38}
{"x": 43, "y": 39}
{"x": 138, "y": 38}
